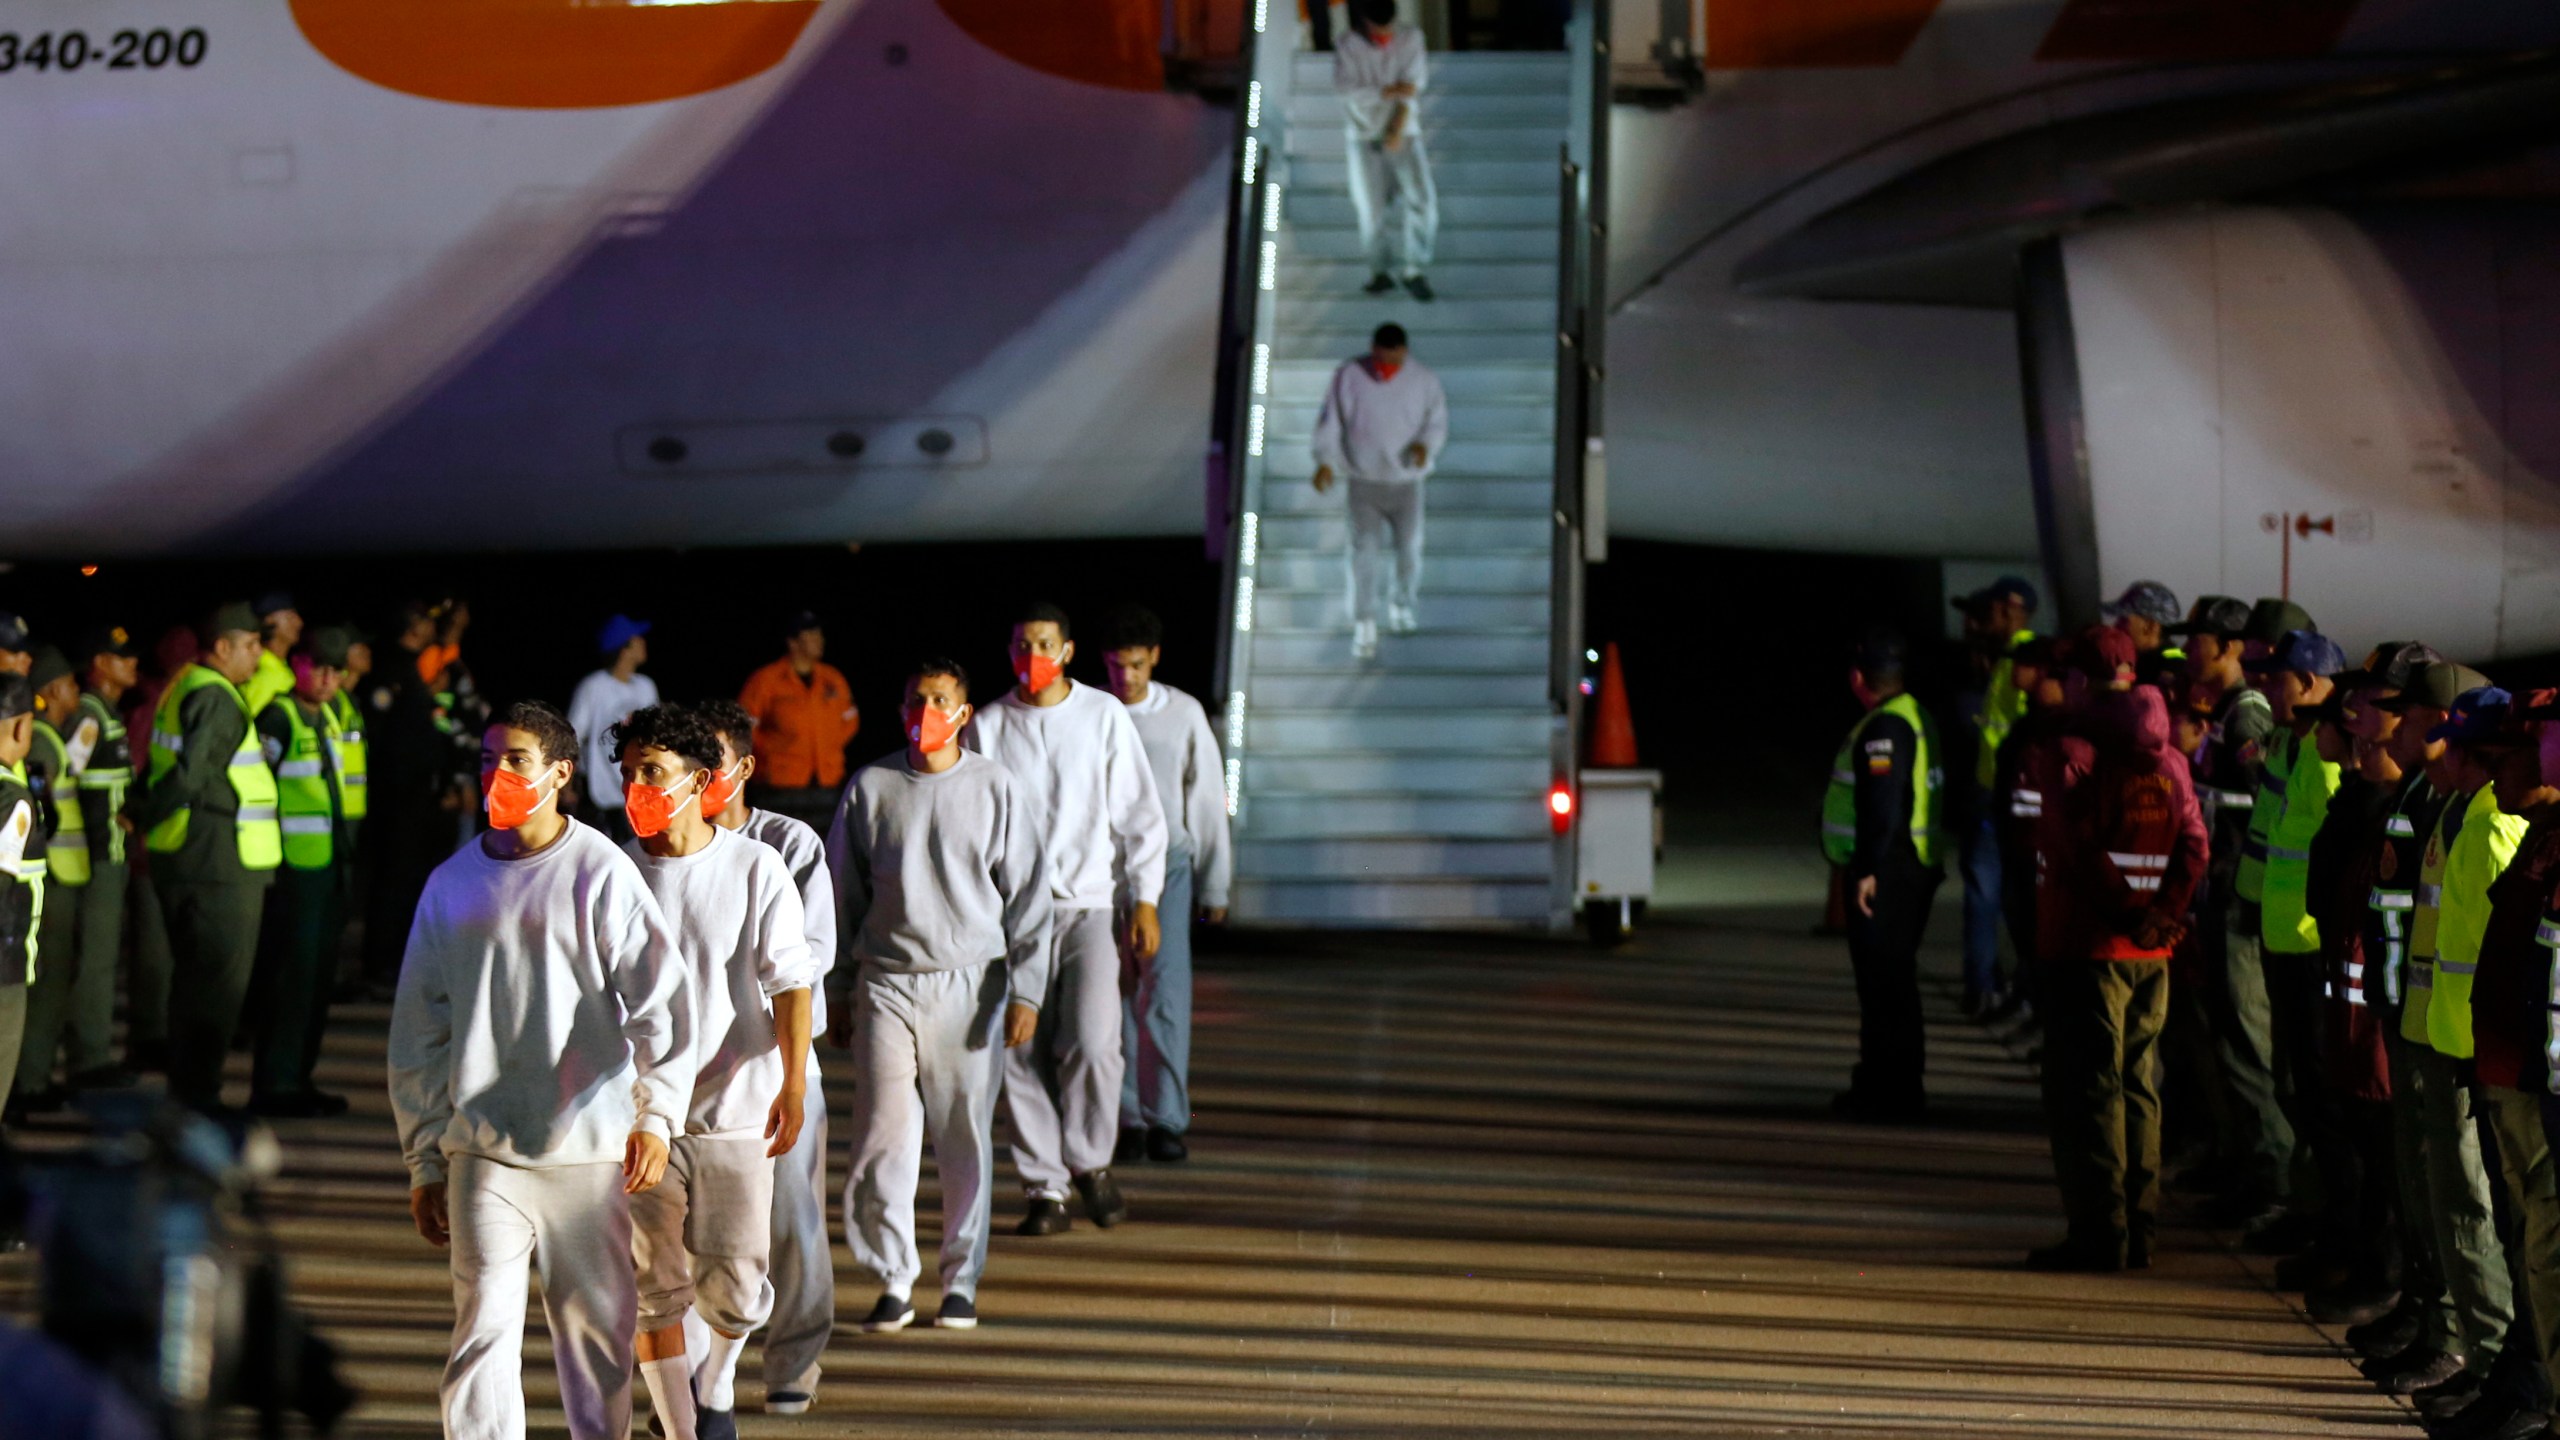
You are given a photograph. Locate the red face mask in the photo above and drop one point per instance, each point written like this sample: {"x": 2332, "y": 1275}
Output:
{"x": 724, "y": 787}
{"x": 650, "y": 809}
{"x": 512, "y": 799}
{"x": 933, "y": 730}
{"x": 1385, "y": 371}
{"x": 1038, "y": 672}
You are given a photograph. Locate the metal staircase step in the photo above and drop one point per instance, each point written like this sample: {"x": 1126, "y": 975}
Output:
{"x": 1330, "y": 611}
{"x": 1453, "y": 310}
{"x": 1380, "y": 730}
{"x": 1488, "y": 279}
{"x": 1373, "y": 686}
{"x": 1283, "y": 816}
{"x": 1528, "y": 382}
{"x": 1448, "y": 495}
{"x": 1517, "y": 458}
{"x": 1510, "y": 572}
{"x": 1513, "y": 345}
{"x": 1515, "y": 176}
{"x": 1447, "y": 110}
{"x": 1275, "y": 651}
{"x": 1452, "y": 535}
{"x": 1396, "y": 857}
{"x": 1318, "y": 207}
{"x": 1520, "y": 418}
{"x": 1456, "y": 242}
{"x": 1356, "y": 775}
{"x": 1474, "y": 142}
{"x": 1312, "y": 70}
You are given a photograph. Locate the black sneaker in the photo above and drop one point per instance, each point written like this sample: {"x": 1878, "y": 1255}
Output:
{"x": 715, "y": 1424}
{"x": 1131, "y": 1149}
{"x": 958, "y": 1312}
{"x": 2076, "y": 1257}
{"x": 2138, "y": 1249}
{"x": 1165, "y": 1147}
{"x": 2450, "y": 1398}
{"x": 2387, "y": 1335}
{"x": 1380, "y": 283}
{"x": 2493, "y": 1417}
{"x": 1103, "y": 1202}
{"x": 788, "y": 1402}
{"x": 1419, "y": 288}
{"x": 1047, "y": 1215}
{"x": 2416, "y": 1371}
{"x": 892, "y": 1314}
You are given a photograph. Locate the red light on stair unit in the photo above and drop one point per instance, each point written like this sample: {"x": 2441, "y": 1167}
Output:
{"x": 1560, "y": 806}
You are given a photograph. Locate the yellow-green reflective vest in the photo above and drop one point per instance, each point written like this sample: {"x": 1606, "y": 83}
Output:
{"x": 306, "y": 809}
{"x": 29, "y": 869}
{"x": 2285, "y": 888}
{"x": 66, "y": 850}
{"x": 2477, "y": 856}
{"x": 260, "y": 839}
{"x": 109, "y": 773}
{"x": 348, "y": 743}
{"x": 2003, "y": 705}
{"x": 1840, "y": 801}
{"x": 2250, "y": 881}
{"x": 274, "y": 678}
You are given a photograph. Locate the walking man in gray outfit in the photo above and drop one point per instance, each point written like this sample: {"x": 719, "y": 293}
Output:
{"x": 1384, "y": 421}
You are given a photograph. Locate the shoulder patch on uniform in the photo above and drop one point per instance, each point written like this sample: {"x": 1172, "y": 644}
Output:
{"x": 1879, "y": 747}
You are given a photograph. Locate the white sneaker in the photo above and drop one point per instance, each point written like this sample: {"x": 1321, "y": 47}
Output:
{"x": 1364, "y": 639}
{"x": 1401, "y": 620}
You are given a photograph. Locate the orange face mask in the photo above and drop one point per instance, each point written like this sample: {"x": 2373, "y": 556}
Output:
{"x": 933, "y": 729}
{"x": 1038, "y": 673}
{"x": 512, "y": 799}
{"x": 650, "y": 809}
{"x": 724, "y": 787}
{"x": 1383, "y": 370}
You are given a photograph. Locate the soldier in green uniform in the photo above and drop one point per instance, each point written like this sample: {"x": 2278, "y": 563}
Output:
{"x": 208, "y": 813}
{"x": 53, "y": 779}
{"x": 306, "y": 915}
{"x": 1880, "y": 823}
{"x": 21, "y": 869}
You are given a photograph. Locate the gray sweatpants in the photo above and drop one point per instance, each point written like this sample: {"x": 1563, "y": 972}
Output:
{"x": 704, "y": 1236}
{"x": 804, "y": 1270}
{"x": 573, "y": 1220}
{"x": 1156, "y": 1029}
{"x": 1381, "y": 513}
{"x": 927, "y": 1064}
{"x": 1397, "y": 206}
{"x": 1063, "y": 1089}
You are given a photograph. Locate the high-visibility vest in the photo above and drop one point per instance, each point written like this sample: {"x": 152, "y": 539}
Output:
{"x": 66, "y": 848}
{"x": 273, "y": 678}
{"x": 22, "y": 900}
{"x": 348, "y": 745}
{"x": 306, "y": 802}
{"x": 2487, "y": 841}
{"x": 260, "y": 839}
{"x": 109, "y": 773}
{"x": 2285, "y": 888}
{"x": 2003, "y": 705}
{"x": 1840, "y": 802}
{"x": 2249, "y": 882}
{"x": 2395, "y": 893}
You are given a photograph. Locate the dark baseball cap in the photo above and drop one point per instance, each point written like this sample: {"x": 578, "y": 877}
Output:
{"x": 801, "y": 623}
{"x": 2102, "y": 652}
{"x": 2221, "y": 615}
{"x": 100, "y": 640}
{"x": 2435, "y": 685}
{"x": 2476, "y": 717}
{"x": 328, "y": 645}
{"x": 274, "y": 602}
{"x": 2307, "y": 651}
{"x": 13, "y": 632}
{"x": 2391, "y": 666}
{"x": 1879, "y": 650}
{"x": 2271, "y": 620}
{"x": 17, "y": 697}
{"x": 2007, "y": 587}
{"x": 50, "y": 665}
{"x": 232, "y": 617}
{"x": 2148, "y": 599}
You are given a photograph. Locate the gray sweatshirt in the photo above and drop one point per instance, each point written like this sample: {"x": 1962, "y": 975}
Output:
{"x": 1361, "y": 69}
{"x": 805, "y": 856}
{"x": 1085, "y": 772}
{"x": 736, "y": 917}
{"x": 1191, "y": 783}
{"x": 942, "y": 872}
{"x": 1367, "y": 423}
{"x": 543, "y": 1012}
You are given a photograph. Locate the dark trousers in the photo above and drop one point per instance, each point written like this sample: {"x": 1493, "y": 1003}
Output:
{"x": 2368, "y": 1213}
{"x": 2323, "y": 1158}
{"x": 405, "y": 843}
{"x": 213, "y": 942}
{"x": 1983, "y": 896}
{"x": 146, "y": 1000}
{"x": 64, "y": 995}
{"x": 2102, "y": 1024}
{"x": 306, "y": 914}
{"x": 2263, "y": 1147}
{"x": 1884, "y": 953}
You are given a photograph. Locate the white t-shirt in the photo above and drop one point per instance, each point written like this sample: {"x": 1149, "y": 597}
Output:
{"x": 600, "y": 703}
{"x": 1086, "y": 773}
{"x": 543, "y": 1011}
{"x": 735, "y": 911}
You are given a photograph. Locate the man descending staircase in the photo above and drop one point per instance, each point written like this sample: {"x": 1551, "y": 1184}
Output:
{"x": 1410, "y": 789}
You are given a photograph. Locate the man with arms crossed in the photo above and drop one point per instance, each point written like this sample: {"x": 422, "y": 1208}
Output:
{"x": 943, "y": 881}
{"x": 542, "y": 1050}
{"x": 705, "y": 1237}
{"x": 1079, "y": 759}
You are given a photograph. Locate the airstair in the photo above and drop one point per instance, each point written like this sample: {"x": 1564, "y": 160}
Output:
{"x": 1414, "y": 789}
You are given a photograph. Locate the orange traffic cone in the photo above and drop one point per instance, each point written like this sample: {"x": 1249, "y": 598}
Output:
{"x": 1613, "y": 731}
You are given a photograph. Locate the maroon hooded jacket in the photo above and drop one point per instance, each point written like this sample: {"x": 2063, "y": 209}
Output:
{"x": 2141, "y": 846}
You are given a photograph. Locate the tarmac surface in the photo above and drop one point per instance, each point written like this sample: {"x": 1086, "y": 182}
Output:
{"x": 1482, "y": 1187}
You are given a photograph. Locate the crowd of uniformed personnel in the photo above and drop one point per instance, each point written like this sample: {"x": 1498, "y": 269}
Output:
{"x": 2293, "y": 917}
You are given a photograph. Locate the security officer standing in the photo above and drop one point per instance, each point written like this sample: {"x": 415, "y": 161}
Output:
{"x": 1995, "y": 624}
{"x": 101, "y": 757}
{"x": 208, "y": 814}
{"x": 279, "y": 630}
{"x": 21, "y": 868}
{"x": 1880, "y": 822}
{"x": 306, "y": 911}
{"x": 409, "y": 748}
{"x": 53, "y": 777}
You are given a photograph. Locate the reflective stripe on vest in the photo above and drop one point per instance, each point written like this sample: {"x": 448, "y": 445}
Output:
{"x": 2003, "y": 705}
{"x": 1840, "y": 801}
{"x": 260, "y": 842}
{"x": 306, "y": 807}
{"x": 348, "y": 746}
{"x": 29, "y": 870}
{"x": 2547, "y": 935}
{"x": 66, "y": 850}
{"x": 2249, "y": 882}
{"x": 2484, "y": 842}
{"x": 2306, "y": 787}
{"x": 2140, "y": 870}
{"x": 110, "y": 770}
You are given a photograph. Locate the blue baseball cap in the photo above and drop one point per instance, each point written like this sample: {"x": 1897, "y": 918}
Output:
{"x": 619, "y": 631}
{"x": 2307, "y": 651}
{"x": 2477, "y": 717}
{"x": 2007, "y": 587}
